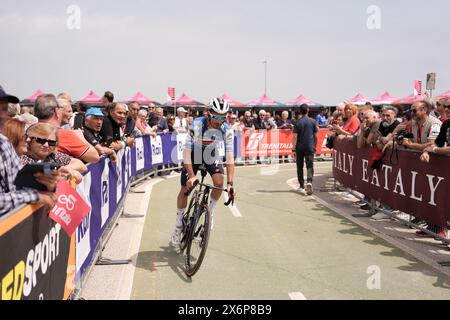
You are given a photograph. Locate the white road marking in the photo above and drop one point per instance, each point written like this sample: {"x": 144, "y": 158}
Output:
{"x": 297, "y": 296}
{"x": 233, "y": 208}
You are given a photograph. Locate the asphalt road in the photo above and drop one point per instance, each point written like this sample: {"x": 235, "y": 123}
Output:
{"x": 277, "y": 244}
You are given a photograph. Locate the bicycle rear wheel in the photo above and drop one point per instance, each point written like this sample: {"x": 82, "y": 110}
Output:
{"x": 198, "y": 240}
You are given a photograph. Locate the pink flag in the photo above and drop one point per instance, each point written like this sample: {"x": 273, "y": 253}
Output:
{"x": 417, "y": 88}
{"x": 171, "y": 94}
{"x": 70, "y": 208}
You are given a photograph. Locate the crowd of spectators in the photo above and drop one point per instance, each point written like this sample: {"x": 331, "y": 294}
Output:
{"x": 423, "y": 127}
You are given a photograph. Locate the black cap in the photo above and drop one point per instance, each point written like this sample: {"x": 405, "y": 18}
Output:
{"x": 8, "y": 97}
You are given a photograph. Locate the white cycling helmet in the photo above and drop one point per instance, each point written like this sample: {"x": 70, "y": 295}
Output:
{"x": 218, "y": 105}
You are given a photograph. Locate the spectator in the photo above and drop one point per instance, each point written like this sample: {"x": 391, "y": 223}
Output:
{"x": 142, "y": 124}
{"x": 320, "y": 118}
{"x": 13, "y": 110}
{"x": 14, "y": 130}
{"x": 67, "y": 113}
{"x": 260, "y": 122}
{"x": 181, "y": 123}
{"x": 133, "y": 110}
{"x": 161, "y": 126}
{"x": 92, "y": 133}
{"x": 440, "y": 110}
{"x": 170, "y": 122}
{"x": 10, "y": 196}
{"x": 112, "y": 127}
{"x": 107, "y": 99}
{"x": 269, "y": 123}
{"x": 387, "y": 126}
{"x": 351, "y": 124}
{"x": 233, "y": 123}
{"x": 42, "y": 141}
{"x": 26, "y": 109}
{"x": 152, "y": 117}
{"x": 248, "y": 120}
{"x": 130, "y": 124}
{"x": 28, "y": 118}
{"x": 71, "y": 142}
{"x": 425, "y": 129}
{"x": 340, "y": 109}
{"x": 284, "y": 122}
{"x": 77, "y": 120}
{"x": 65, "y": 96}
{"x": 304, "y": 141}
{"x": 369, "y": 129}
{"x": 442, "y": 143}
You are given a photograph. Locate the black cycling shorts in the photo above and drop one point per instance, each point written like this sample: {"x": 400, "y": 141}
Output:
{"x": 210, "y": 168}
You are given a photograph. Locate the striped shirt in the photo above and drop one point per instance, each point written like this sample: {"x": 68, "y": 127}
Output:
{"x": 10, "y": 197}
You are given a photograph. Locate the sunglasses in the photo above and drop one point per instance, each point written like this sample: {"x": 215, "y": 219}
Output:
{"x": 218, "y": 118}
{"x": 51, "y": 143}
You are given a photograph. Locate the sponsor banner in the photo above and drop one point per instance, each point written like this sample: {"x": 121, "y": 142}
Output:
{"x": 139, "y": 153}
{"x": 321, "y": 147}
{"x": 156, "y": 150}
{"x": 37, "y": 257}
{"x": 408, "y": 185}
{"x": 266, "y": 143}
{"x": 181, "y": 140}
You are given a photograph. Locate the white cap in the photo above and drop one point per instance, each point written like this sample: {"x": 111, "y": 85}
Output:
{"x": 181, "y": 109}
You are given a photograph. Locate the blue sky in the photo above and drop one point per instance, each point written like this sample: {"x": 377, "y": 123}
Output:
{"x": 322, "y": 49}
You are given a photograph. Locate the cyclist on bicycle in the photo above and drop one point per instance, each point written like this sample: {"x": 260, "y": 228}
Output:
{"x": 204, "y": 145}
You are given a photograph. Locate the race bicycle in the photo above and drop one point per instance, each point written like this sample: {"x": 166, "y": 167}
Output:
{"x": 196, "y": 224}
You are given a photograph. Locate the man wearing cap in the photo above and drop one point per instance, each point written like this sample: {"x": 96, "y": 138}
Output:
{"x": 181, "y": 123}
{"x": 10, "y": 196}
{"x": 93, "y": 122}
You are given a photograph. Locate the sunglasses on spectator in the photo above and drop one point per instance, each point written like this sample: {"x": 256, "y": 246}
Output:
{"x": 51, "y": 143}
{"x": 218, "y": 118}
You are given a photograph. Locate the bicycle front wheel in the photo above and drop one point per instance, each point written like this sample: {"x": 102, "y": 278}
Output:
{"x": 197, "y": 241}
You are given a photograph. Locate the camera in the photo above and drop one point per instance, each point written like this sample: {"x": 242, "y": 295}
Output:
{"x": 401, "y": 135}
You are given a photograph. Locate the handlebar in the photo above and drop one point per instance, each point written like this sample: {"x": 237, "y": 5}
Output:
{"x": 196, "y": 183}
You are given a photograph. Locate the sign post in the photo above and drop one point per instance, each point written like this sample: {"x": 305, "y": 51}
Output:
{"x": 431, "y": 82}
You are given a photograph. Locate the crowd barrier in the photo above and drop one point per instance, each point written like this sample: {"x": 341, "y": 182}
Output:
{"x": 404, "y": 183}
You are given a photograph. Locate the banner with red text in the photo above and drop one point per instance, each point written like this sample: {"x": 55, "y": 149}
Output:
{"x": 276, "y": 142}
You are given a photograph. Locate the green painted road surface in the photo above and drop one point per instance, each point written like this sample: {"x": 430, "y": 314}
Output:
{"x": 284, "y": 243}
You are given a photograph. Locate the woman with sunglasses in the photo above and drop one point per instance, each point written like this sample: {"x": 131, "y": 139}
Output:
{"x": 203, "y": 145}
{"x": 41, "y": 142}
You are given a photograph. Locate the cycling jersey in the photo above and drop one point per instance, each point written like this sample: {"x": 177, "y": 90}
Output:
{"x": 200, "y": 136}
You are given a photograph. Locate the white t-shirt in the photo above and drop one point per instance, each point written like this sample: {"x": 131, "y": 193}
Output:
{"x": 180, "y": 125}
